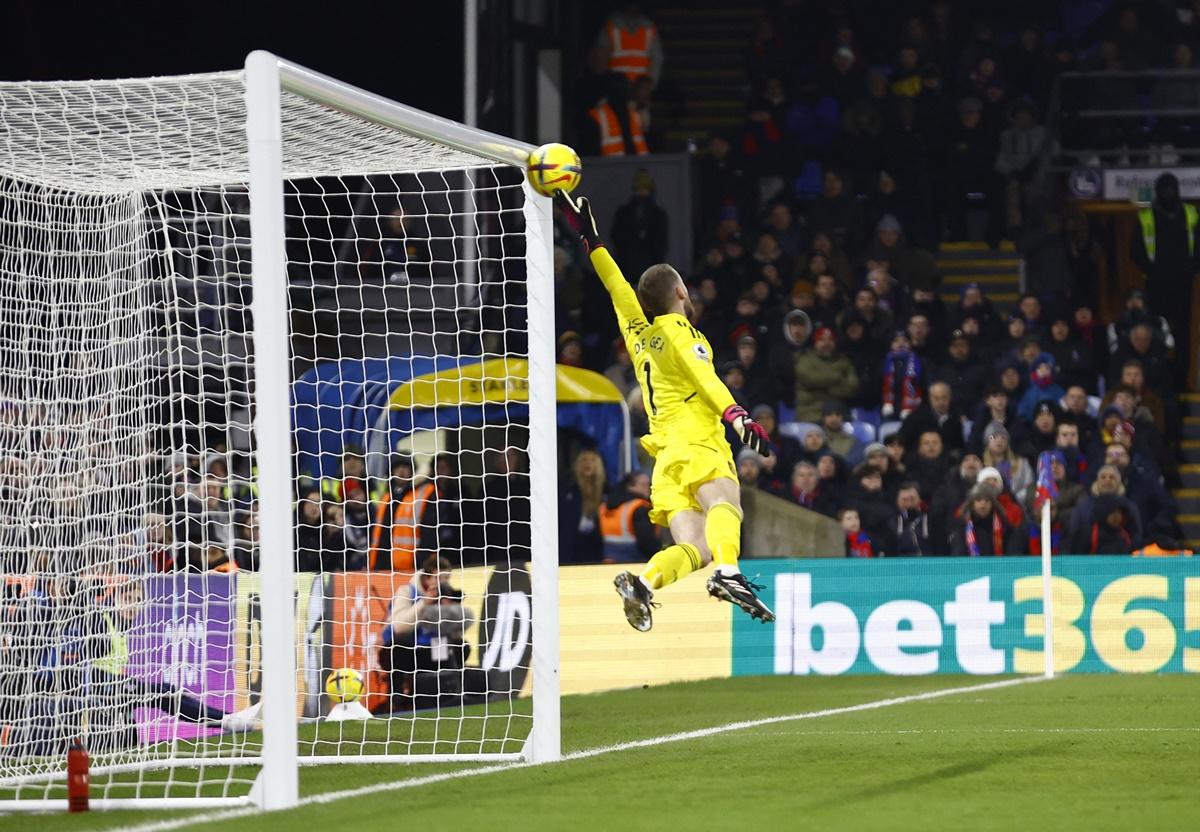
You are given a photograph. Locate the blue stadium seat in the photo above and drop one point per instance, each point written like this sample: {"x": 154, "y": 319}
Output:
{"x": 862, "y": 431}
{"x": 887, "y": 429}
{"x": 796, "y": 430}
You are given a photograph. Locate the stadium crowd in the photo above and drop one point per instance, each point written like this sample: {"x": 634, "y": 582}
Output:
{"x": 918, "y": 424}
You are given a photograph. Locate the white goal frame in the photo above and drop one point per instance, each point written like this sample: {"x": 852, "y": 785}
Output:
{"x": 266, "y": 78}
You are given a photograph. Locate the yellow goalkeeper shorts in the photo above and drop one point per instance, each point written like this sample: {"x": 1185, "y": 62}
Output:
{"x": 679, "y": 470}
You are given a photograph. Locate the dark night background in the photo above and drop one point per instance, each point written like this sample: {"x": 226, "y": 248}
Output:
{"x": 407, "y": 51}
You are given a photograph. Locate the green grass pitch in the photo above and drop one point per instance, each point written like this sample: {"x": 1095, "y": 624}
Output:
{"x": 1075, "y": 753}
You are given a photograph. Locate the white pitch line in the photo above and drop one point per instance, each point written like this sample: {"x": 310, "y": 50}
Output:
{"x": 683, "y": 736}
{"x": 1110, "y": 730}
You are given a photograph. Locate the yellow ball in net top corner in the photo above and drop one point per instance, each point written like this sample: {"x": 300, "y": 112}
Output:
{"x": 345, "y": 685}
{"x": 553, "y": 168}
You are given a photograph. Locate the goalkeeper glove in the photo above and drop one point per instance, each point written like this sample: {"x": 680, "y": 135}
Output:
{"x": 580, "y": 212}
{"x": 753, "y": 435}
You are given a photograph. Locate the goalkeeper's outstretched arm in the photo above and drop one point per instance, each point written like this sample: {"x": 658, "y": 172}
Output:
{"x": 630, "y": 316}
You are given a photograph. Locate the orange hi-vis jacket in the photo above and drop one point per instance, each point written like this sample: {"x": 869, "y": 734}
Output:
{"x": 1156, "y": 551}
{"x": 630, "y": 54}
{"x": 405, "y": 523}
{"x": 616, "y": 525}
{"x": 612, "y": 142}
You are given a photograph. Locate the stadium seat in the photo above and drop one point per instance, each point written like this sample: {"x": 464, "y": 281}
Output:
{"x": 887, "y": 429}
{"x": 868, "y": 415}
{"x": 862, "y": 431}
{"x": 796, "y": 430}
{"x": 1093, "y": 407}
{"x": 784, "y": 412}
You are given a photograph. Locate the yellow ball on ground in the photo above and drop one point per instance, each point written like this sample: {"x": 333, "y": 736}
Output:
{"x": 345, "y": 685}
{"x": 553, "y": 168}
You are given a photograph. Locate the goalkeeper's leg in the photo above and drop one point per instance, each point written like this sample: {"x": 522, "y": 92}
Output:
{"x": 676, "y": 561}
{"x": 721, "y": 499}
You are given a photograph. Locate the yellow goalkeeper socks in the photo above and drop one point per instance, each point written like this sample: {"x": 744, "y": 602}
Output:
{"x": 723, "y": 532}
{"x": 671, "y": 564}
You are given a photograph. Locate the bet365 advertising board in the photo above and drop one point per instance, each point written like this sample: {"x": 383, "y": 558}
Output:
{"x": 972, "y": 615}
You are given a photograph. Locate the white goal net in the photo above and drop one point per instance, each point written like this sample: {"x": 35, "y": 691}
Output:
{"x": 146, "y": 580}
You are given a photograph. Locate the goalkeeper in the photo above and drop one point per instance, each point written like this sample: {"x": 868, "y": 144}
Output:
{"x": 694, "y": 491}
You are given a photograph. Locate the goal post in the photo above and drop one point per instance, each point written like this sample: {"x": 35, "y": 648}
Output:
{"x": 218, "y": 293}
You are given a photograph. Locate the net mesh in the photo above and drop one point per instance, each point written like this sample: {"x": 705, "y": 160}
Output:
{"x": 127, "y": 469}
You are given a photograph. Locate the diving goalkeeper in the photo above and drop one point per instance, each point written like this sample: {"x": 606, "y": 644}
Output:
{"x": 694, "y": 490}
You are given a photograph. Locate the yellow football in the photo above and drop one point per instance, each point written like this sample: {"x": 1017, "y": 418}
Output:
{"x": 553, "y": 168}
{"x": 345, "y": 685}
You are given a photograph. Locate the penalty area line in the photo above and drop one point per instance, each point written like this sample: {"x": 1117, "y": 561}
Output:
{"x": 583, "y": 754}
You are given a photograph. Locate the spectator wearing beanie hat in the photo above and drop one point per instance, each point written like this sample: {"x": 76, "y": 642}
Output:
{"x": 822, "y": 373}
{"x": 982, "y": 530}
{"x": 786, "y": 450}
{"x": 846, "y": 445}
{"x": 1004, "y": 496}
{"x": 998, "y": 453}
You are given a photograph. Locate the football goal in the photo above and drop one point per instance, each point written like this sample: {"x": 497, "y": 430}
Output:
{"x": 277, "y": 439}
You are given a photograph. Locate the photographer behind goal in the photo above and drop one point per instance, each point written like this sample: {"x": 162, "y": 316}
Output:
{"x": 423, "y": 648}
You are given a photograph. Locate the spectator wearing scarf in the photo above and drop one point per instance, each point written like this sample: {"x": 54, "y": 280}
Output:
{"x": 983, "y": 530}
{"x": 903, "y": 379}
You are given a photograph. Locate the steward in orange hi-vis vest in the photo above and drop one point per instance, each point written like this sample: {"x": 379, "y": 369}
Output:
{"x": 612, "y": 141}
{"x": 629, "y": 52}
{"x": 403, "y": 516}
{"x": 629, "y": 536}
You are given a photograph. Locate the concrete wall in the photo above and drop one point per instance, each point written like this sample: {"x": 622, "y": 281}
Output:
{"x": 775, "y": 528}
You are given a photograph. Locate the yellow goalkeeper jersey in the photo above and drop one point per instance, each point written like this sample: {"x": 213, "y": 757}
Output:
{"x": 684, "y": 398}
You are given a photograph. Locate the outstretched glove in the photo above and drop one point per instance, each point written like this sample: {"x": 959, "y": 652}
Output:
{"x": 579, "y": 212}
{"x": 753, "y": 435}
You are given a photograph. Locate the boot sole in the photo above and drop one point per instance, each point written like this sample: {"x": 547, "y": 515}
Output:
{"x": 636, "y": 613}
{"x": 722, "y": 594}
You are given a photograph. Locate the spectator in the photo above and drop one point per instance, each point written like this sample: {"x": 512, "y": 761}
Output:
{"x": 1156, "y": 509}
{"x": 969, "y": 180}
{"x": 580, "y": 538}
{"x": 1007, "y": 499}
{"x": 403, "y": 253}
{"x": 750, "y": 470}
{"x": 911, "y": 536}
{"x": 505, "y": 522}
{"x": 1020, "y": 150}
{"x": 867, "y": 497}
{"x": 938, "y": 415}
{"x": 757, "y": 386}
{"x": 831, "y": 478}
{"x": 1075, "y": 411}
{"x": 1108, "y": 484}
{"x": 1109, "y": 530}
{"x": 1042, "y": 388}
{"x": 639, "y": 229}
{"x": 629, "y": 536}
{"x": 858, "y": 542}
{"x": 782, "y": 225}
{"x": 828, "y": 303}
{"x": 1075, "y": 362}
{"x": 308, "y": 532}
{"x": 806, "y": 490}
{"x": 786, "y": 451}
{"x": 927, "y": 467}
{"x": 995, "y": 408}
{"x": 835, "y": 211}
{"x": 982, "y": 529}
{"x": 812, "y": 444}
{"x": 621, "y": 371}
{"x": 846, "y": 445}
{"x": 822, "y": 373}
{"x": 1164, "y": 248}
{"x": 337, "y": 553}
{"x": 998, "y": 454}
{"x": 949, "y": 496}
{"x": 903, "y": 381}
{"x": 1136, "y": 314}
{"x": 1132, "y": 376}
{"x": 1069, "y": 494}
{"x": 1067, "y": 443}
{"x": 1044, "y": 435}
{"x": 961, "y": 370}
